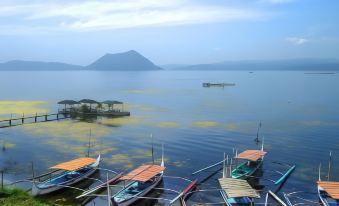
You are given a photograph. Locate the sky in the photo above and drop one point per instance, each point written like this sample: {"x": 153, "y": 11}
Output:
{"x": 168, "y": 31}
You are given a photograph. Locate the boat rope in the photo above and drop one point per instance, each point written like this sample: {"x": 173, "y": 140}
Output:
{"x": 291, "y": 193}
{"x": 207, "y": 190}
{"x": 171, "y": 190}
{"x": 66, "y": 186}
{"x": 208, "y": 203}
{"x": 208, "y": 167}
{"x": 94, "y": 179}
{"x": 153, "y": 198}
{"x": 108, "y": 170}
{"x": 306, "y": 200}
{"x": 176, "y": 177}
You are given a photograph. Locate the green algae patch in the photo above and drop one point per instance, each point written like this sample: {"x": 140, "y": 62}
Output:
{"x": 167, "y": 124}
{"x": 145, "y": 108}
{"x": 145, "y": 91}
{"x": 6, "y": 145}
{"x": 179, "y": 163}
{"x": 78, "y": 131}
{"x": 121, "y": 159}
{"x": 318, "y": 123}
{"x": 17, "y": 108}
{"x": 205, "y": 124}
{"x": 120, "y": 121}
{"x": 232, "y": 126}
{"x": 18, "y": 197}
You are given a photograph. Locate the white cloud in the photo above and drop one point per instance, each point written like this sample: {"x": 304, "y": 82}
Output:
{"x": 101, "y": 15}
{"x": 297, "y": 40}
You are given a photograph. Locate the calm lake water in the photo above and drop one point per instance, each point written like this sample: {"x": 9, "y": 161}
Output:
{"x": 299, "y": 114}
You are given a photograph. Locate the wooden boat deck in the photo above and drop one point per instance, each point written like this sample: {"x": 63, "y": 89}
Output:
{"x": 332, "y": 188}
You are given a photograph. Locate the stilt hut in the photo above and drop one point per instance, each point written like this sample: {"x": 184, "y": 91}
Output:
{"x": 70, "y": 103}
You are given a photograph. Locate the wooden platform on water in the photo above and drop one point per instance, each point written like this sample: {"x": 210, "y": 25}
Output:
{"x": 207, "y": 84}
{"x": 32, "y": 119}
{"x": 57, "y": 116}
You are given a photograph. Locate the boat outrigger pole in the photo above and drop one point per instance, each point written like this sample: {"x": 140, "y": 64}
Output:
{"x": 257, "y": 138}
{"x": 329, "y": 167}
{"x": 152, "y": 149}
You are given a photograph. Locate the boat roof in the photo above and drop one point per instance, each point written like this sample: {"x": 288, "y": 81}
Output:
{"x": 74, "y": 164}
{"x": 252, "y": 155}
{"x": 237, "y": 188}
{"x": 332, "y": 188}
{"x": 143, "y": 173}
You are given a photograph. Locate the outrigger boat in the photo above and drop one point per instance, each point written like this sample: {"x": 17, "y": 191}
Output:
{"x": 72, "y": 172}
{"x": 236, "y": 192}
{"x": 140, "y": 181}
{"x": 253, "y": 161}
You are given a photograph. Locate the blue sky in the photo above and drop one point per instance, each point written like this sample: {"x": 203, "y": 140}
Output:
{"x": 169, "y": 31}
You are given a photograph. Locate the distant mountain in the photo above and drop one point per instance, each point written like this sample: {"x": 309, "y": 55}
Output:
{"x": 130, "y": 61}
{"x": 289, "y": 64}
{"x": 19, "y": 65}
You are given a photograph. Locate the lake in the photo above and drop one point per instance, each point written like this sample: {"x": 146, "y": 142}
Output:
{"x": 299, "y": 114}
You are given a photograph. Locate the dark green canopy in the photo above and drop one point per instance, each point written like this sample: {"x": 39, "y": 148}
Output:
{"x": 69, "y": 102}
{"x": 88, "y": 101}
{"x": 109, "y": 102}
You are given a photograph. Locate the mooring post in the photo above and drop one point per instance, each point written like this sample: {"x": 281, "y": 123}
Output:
{"x": 10, "y": 122}
{"x": 2, "y": 179}
{"x": 23, "y": 117}
{"x": 46, "y": 117}
{"x": 32, "y": 170}
{"x": 58, "y": 116}
{"x": 36, "y": 116}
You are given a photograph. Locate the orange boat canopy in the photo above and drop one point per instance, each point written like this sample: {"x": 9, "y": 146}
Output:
{"x": 143, "y": 173}
{"x": 332, "y": 188}
{"x": 252, "y": 155}
{"x": 74, "y": 164}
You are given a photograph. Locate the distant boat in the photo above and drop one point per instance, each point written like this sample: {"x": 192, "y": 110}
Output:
{"x": 207, "y": 84}
{"x": 140, "y": 181}
{"x": 72, "y": 172}
{"x": 253, "y": 161}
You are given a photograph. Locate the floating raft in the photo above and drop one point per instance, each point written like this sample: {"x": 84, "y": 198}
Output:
{"x": 207, "y": 84}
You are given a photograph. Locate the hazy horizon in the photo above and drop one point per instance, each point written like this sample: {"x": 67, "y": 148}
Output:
{"x": 169, "y": 32}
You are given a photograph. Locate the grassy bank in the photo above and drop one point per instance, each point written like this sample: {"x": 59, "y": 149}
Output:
{"x": 18, "y": 197}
